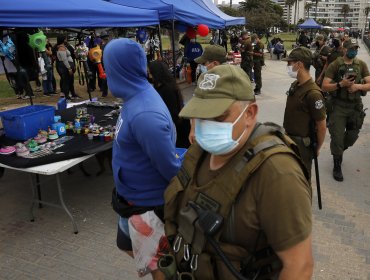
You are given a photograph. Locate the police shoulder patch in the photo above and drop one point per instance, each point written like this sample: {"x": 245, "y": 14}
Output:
{"x": 319, "y": 104}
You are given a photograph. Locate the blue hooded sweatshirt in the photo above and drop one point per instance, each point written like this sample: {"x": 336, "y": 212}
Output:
{"x": 144, "y": 155}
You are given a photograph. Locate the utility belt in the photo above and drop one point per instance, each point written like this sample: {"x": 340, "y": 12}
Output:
{"x": 348, "y": 104}
{"x": 299, "y": 139}
{"x": 121, "y": 206}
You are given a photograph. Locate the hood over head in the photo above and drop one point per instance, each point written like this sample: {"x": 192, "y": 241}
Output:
{"x": 126, "y": 68}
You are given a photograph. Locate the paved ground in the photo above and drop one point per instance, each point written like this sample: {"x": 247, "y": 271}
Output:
{"x": 47, "y": 248}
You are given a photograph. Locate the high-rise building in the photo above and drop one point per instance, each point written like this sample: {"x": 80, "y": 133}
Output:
{"x": 331, "y": 10}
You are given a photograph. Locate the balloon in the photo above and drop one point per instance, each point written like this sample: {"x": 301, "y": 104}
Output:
{"x": 190, "y": 32}
{"x": 203, "y": 30}
{"x": 181, "y": 28}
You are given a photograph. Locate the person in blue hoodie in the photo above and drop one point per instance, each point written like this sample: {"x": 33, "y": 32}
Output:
{"x": 144, "y": 153}
{"x": 192, "y": 51}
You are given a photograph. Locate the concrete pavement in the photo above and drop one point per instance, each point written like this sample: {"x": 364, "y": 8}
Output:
{"x": 47, "y": 248}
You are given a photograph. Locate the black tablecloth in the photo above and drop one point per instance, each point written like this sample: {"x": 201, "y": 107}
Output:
{"x": 76, "y": 147}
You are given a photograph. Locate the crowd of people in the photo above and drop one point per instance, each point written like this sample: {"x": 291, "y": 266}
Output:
{"x": 229, "y": 193}
{"x": 233, "y": 162}
{"x": 32, "y": 63}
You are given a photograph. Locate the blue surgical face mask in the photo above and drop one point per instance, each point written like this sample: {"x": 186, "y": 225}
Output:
{"x": 202, "y": 68}
{"x": 351, "y": 54}
{"x": 217, "y": 137}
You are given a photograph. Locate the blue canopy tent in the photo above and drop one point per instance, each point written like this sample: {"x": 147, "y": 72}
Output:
{"x": 187, "y": 12}
{"x": 229, "y": 20}
{"x": 309, "y": 23}
{"x": 73, "y": 13}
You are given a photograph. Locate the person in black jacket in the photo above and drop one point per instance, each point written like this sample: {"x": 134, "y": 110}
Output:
{"x": 165, "y": 85}
{"x": 303, "y": 40}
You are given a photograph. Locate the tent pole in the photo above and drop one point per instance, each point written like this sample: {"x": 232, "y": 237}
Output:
{"x": 160, "y": 40}
{"x": 173, "y": 48}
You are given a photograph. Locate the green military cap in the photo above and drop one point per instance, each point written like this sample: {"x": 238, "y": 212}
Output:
{"x": 351, "y": 43}
{"x": 216, "y": 90}
{"x": 212, "y": 53}
{"x": 254, "y": 37}
{"x": 300, "y": 54}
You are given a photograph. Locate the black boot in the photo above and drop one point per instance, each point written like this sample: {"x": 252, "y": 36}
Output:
{"x": 337, "y": 170}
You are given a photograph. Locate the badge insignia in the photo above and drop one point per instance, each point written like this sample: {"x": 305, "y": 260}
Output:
{"x": 319, "y": 104}
{"x": 209, "y": 81}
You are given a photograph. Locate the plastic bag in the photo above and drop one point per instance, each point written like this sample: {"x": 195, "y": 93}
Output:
{"x": 148, "y": 241}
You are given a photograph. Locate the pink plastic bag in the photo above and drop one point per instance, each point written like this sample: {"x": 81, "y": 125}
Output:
{"x": 148, "y": 241}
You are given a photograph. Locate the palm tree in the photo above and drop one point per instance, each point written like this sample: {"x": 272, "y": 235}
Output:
{"x": 316, "y": 2}
{"x": 289, "y": 3}
{"x": 345, "y": 11}
{"x": 366, "y": 12}
{"x": 307, "y": 8}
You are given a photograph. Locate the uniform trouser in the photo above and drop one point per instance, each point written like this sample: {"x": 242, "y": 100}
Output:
{"x": 257, "y": 67}
{"x": 247, "y": 67}
{"x": 305, "y": 152}
{"x": 344, "y": 126}
{"x": 193, "y": 66}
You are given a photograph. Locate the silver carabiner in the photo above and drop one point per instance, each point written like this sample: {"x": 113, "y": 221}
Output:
{"x": 177, "y": 244}
{"x": 194, "y": 262}
{"x": 186, "y": 252}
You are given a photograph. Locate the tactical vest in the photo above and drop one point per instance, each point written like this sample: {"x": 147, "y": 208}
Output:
{"x": 258, "y": 48}
{"x": 218, "y": 195}
{"x": 246, "y": 51}
{"x": 296, "y": 122}
{"x": 342, "y": 93}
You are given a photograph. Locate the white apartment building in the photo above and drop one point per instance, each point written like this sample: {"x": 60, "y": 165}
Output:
{"x": 327, "y": 9}
{"x": 331, "y": 10}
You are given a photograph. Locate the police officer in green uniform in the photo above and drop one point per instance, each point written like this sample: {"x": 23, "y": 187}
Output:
{"x": 258, "y": 62}
{"x": 246, "y": 50}
{"x": 347, "y": 79}
{"x": 320, "y": 57}
{"x": 331, "y": 55}
{"x": 305, "y": 108}
{"x": 234, "y": 170}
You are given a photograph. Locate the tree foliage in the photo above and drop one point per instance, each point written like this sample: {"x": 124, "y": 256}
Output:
{"x": 308, "y": 6}
{"x": 231, "y": 11}
{"x": 261, "y": 14}
{"x": 345, "y": 11}
{"x": 323, "y": 21}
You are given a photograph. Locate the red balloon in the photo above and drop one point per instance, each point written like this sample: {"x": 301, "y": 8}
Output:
{"x": 190, "y": 32}
{"x": 203, "y": 30}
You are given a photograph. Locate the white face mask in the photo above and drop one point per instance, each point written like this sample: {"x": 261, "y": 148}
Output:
{"x": 217, "y": 137}
{"x": 291, "y": 73}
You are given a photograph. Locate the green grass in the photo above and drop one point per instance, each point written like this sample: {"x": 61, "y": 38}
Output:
{"x": 288, "y": 38}
{"x": 6, "y": 90}
{"x": 166, "y": 43}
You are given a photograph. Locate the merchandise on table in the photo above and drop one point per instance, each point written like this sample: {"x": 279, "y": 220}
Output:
{"x": 7, "y": 150}
{"x": 58, "y": 126}
{"x": 52, "y": 134}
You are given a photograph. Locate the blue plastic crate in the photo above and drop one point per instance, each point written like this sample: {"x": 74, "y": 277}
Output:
{"x": 24, "y": 123}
